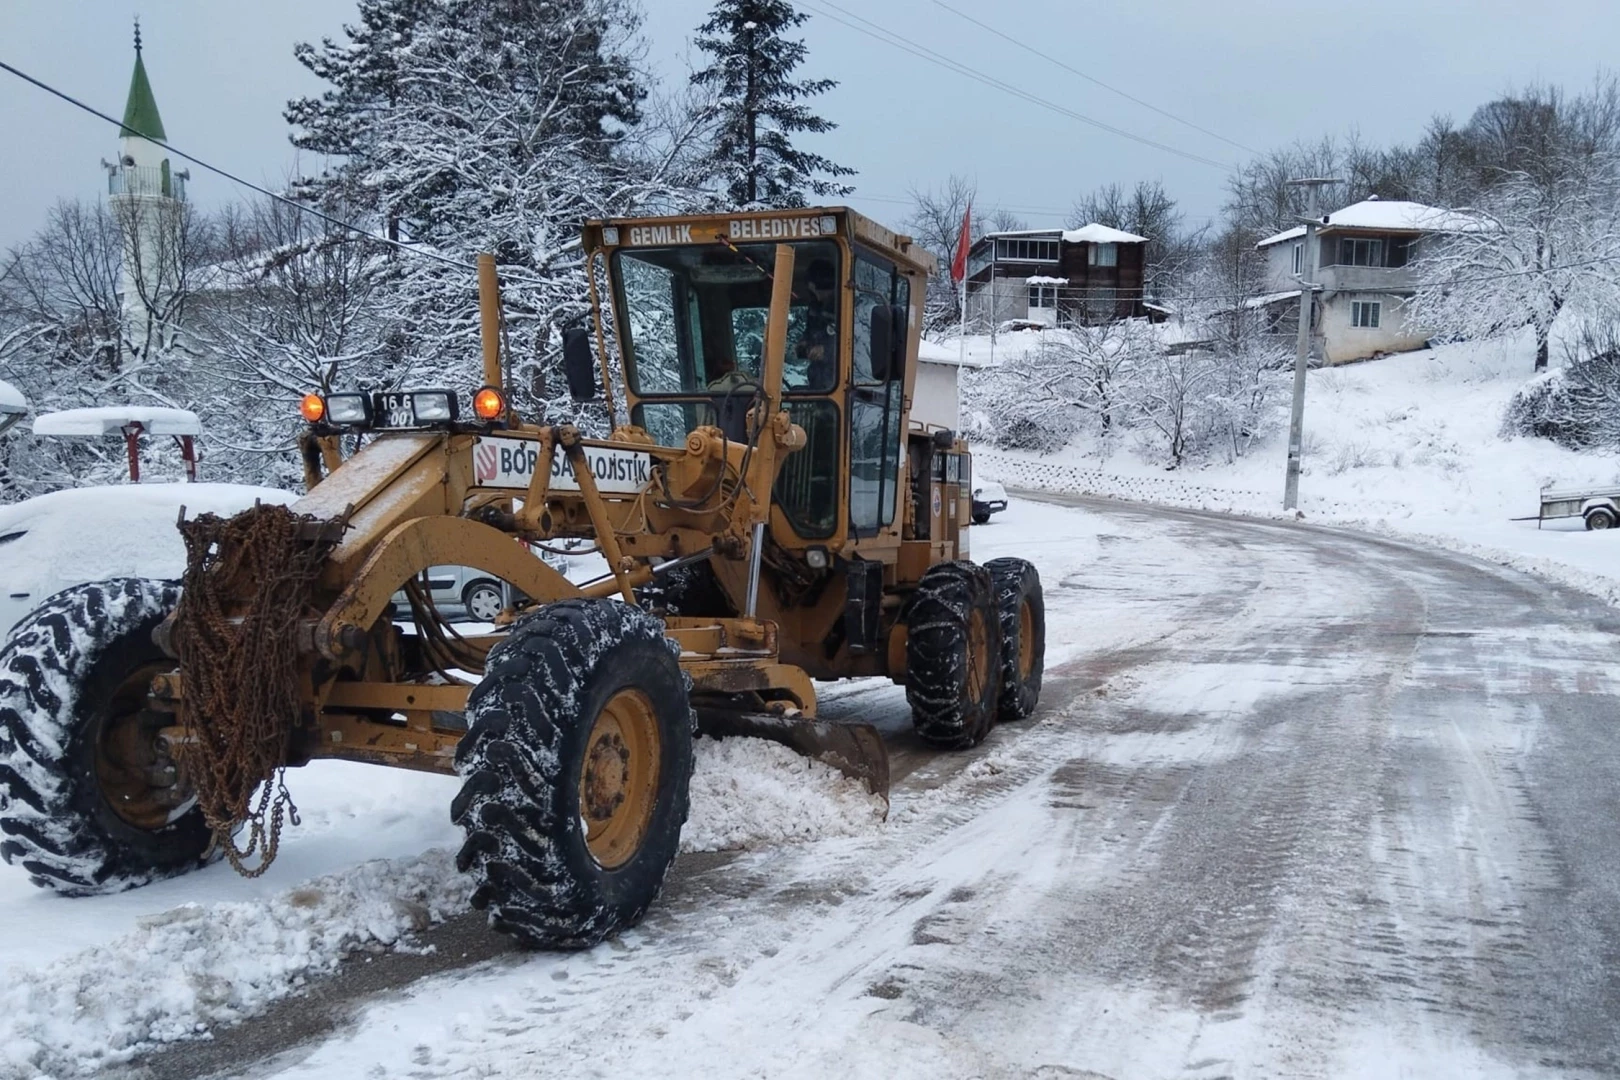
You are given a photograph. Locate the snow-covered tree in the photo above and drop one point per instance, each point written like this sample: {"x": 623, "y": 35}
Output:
{"x": 761, "y": 106}
{"x": 501, "y": 126}
{"x": 1147, "y": 210}
{"x": 64, "y": 338}
{"x": 1542, "y": 245}
{"x": 292, "y": 304}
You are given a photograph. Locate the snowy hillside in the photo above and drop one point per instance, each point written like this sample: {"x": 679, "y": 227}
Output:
{"x": 1408, "y": 444}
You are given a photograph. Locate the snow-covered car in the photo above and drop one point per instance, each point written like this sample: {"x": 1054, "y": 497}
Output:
{"x": 65, "y": 538}
{"x": 989, "y": 497}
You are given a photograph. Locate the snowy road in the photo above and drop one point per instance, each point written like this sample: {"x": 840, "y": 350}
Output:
{"x": 1296, "y": 803}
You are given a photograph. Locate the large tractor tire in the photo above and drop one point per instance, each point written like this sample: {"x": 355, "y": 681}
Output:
{"x": 953, "y": 655}
{"x": 576, "y": 767}
{"x": 1022, "y": 611}
{"x": 89, "y": 801}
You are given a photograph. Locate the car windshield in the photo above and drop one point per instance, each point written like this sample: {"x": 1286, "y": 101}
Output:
{"x": 694, "y": 317}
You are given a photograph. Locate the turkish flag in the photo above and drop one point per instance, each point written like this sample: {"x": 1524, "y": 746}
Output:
{"x": 964, "y": 240}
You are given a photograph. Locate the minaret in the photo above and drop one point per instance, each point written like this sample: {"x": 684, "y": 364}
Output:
{"x": 147, "y": 197}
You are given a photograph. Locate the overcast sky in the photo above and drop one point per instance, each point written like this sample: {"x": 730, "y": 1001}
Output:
{"x": 1257, "y": 72}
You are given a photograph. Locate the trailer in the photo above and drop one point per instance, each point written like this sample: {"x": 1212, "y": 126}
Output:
{"x": 1599, "y": 506}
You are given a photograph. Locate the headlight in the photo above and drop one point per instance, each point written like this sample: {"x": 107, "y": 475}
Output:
{"x": 434, "y": 406}
{"x": 816, "y": 557}
{"x": 348, "y": 409}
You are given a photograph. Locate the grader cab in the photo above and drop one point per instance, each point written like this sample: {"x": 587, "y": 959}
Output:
{"x": 767, "y": 515}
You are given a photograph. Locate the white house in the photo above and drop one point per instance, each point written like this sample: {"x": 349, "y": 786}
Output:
{"x": 1365, "y": 268}
{"x": 936, "y": 396}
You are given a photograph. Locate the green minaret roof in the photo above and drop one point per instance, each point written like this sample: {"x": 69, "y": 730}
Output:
{"x": 141, "y": 112}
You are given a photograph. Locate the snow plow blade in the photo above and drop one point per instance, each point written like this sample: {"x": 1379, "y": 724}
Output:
{"x": 856, "y": 750}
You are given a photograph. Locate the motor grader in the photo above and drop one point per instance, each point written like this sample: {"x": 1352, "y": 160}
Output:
{"x": 766, "y": 513}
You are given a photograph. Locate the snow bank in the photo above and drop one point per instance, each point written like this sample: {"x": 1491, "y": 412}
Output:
{"x": 751, "y": 793}
{"x": 182, "y": 972}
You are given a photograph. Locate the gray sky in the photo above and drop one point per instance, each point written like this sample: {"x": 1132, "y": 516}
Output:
{"x": 223, "y": 71}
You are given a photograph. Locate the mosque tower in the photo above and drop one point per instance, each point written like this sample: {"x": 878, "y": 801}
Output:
{"x": 147, "y": 197}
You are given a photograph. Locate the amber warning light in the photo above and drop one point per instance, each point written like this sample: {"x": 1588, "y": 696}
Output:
{"x": 313, "y": 407}
{"x": 488, "y": 404}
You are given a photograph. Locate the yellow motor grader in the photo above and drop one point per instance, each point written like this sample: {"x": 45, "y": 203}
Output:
{"x": 766, "y": 511}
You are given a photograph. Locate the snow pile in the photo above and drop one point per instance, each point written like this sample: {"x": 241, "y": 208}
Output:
{"x": 186, "y": 970}
{"x": 751, "y": 793}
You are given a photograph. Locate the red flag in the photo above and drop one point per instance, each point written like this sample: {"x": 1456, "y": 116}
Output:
{"x": 964, "y": 240}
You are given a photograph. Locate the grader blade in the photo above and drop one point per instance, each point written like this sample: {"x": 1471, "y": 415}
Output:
{"x": 856, "y": 750}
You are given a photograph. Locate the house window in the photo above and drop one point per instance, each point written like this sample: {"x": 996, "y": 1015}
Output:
{"x": 1364, "y": 314}
{"x": 1355, "y": 251}
{"x": 1042, "y": 296}
{"x": 1019, "y": 249}
{"x": 1299, "y": 258}
{"x": 1104, "y": 255}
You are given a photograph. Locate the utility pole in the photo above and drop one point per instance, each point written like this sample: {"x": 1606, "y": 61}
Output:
{"x": 1307, "y": 270}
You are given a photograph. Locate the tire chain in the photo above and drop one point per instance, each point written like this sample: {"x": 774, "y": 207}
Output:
{"x": 241, "y": 677}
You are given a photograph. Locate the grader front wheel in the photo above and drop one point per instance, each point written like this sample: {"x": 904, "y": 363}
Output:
{"x": 89, "y": 801}
{"x": 576, "y": 767}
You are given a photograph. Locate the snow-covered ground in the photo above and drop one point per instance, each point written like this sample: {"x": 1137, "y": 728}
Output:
{"x": 95, "y": 979}
{"x": 1408, "y": 445}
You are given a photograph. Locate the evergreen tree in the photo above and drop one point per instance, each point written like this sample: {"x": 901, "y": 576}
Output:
{"x": 488, "y": 125}
{"x": 760, "y": 106}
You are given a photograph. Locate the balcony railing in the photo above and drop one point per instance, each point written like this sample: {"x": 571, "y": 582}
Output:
{"x": 146, "y": 180}
{"x": 1367, "y": 278}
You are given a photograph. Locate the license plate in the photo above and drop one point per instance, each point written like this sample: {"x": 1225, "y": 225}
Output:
{"x": 393, "y": 410}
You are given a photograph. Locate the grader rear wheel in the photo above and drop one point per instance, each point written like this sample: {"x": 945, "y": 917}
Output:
{"x": 1022, "y": 611}
{"x": 953, "y": 655}
{"x": 91, "y": 802}
{"x": 576, "y": 766}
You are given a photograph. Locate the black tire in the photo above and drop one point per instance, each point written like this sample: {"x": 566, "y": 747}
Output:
{"x": 981, "y": 517}
{"x": 60, "y": 679}
{"x": 1600, "y": 517}
{"x": 1022, "y": 611}
{"x": 952, "y": 692}
{"x": 692, "y": 591}
{"x": 524, "y": 761}
{"x": 482, "y": 588}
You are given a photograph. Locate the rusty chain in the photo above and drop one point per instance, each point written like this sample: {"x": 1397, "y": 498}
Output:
{"x": 247, "y": 584}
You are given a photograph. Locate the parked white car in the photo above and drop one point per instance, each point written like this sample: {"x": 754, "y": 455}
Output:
{"x": 460, "y": 591}
{"x": 66, "y": 538}
{"x": 989, "y": 497}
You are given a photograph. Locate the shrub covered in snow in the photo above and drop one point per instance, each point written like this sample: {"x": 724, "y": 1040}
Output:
{"x": 1576, "y": 406}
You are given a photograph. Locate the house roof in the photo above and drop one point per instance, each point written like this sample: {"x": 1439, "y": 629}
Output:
{"x": 141, "y": 111}
{"x": 1087, "y": 234}
{"x": 1394, "y": 215}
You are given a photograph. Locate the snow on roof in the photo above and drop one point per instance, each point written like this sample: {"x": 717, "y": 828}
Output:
{"x": 12, "y": 400}
{"x": 110, "y": 420}
{"x": 1088, "y": 234}
{"x": 1392, "y": 214}
{"x": 1270, "y": 298}
{"x": 932, "y": 352}
{"x": 1042, "y": 279}
{"x": 1100, "y": 234}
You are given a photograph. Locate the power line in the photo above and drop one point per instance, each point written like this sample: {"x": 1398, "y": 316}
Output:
{"x": 200, "y": 163}
{"x": 1092, "y": 79}
{"x": 889, "y": 37}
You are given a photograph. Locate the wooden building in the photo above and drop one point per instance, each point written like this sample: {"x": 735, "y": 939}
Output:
{"x": 1056, "y": 277}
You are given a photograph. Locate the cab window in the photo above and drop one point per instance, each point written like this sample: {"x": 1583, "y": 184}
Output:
{"x": 874, "y": 405}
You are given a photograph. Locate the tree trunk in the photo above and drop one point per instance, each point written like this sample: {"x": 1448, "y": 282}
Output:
{"x": 751, "y": 118}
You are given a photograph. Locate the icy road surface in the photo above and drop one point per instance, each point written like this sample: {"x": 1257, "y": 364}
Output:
{"x": 1296, "y": 803}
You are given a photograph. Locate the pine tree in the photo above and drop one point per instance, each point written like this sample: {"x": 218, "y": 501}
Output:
{"x": 488, "y": 125}
{"x": 760, "y": 105}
